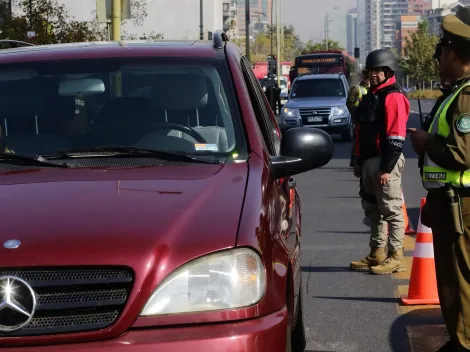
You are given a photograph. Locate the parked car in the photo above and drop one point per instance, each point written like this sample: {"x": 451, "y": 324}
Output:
{"x": 319, "y": 101}
{"x": 148, "y": 201}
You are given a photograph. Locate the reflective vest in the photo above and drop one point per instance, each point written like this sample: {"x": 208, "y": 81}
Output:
{"x": 361, "y": 91}
{"x": 435, "y": 176}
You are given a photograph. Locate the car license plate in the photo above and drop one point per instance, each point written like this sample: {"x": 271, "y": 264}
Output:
{"x": 315, "y": 119}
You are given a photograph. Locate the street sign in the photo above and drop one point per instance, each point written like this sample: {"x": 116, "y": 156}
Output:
{"x": 104, "y": 10}
{"x": 31, "y": 34}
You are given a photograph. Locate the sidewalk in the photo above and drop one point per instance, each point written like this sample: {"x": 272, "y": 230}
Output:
{"x": 424, "y": 325}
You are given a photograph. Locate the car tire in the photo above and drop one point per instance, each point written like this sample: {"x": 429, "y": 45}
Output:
{"x": 348, "y": 134}
{"x": 298, "y": 339}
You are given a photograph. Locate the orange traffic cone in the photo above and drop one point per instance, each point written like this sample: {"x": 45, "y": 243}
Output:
{"x": 408, "y": 225}
{"x": 423, "y": 285}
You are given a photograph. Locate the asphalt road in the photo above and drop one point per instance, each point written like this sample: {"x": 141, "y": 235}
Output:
{"x": 347, "y": 311}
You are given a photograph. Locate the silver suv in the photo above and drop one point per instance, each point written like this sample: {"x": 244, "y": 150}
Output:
{"x": 319, "y": 101}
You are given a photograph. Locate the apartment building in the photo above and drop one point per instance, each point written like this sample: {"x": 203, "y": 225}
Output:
{"x": 351, "y": 31}
{"x": 435, "y": 15}
{"x": 406, "y": 26}
{"x": 260, "y": 15}
{"x": 230, "y": 19}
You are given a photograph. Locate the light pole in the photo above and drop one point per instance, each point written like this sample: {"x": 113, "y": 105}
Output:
{"x": 327, "y": 27}
{"x": 201, "y": 20}
{"x": 247, "y": 28}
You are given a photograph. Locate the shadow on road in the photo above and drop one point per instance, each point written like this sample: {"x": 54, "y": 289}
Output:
{"x": 398, "y": 336}
{"x": 362, "y": 299}
{"x": 324, "y": 269}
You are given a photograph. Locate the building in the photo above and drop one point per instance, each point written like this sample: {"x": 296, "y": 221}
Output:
{"x": 391, "y": 11}
{"x": 373, "y": 25}
{"x": 361, "y": 30}
{"x": 230, "y": 18}
{"x": 260, "y": 15}
{"x": 407, "y": 25}
{"x": 351, "y": 31}
{"x": 419, "y": 7}
{"x": 435, "y": 15}
{"x": 437, "y": 4}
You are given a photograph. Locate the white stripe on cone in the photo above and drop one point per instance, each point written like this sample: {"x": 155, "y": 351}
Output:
{"x": 423, "y": 250}
{"x": 422, "y": 228}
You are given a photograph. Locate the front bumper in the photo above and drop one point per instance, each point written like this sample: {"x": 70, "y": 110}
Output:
{"x": 262, "y": 334}
{"x": 336, "y": 124}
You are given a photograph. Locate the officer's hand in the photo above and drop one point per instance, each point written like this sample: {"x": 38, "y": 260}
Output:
{"x": 384, "y": 178}
{"x": 418, "y": 139}
{"x": 357, "y": 171}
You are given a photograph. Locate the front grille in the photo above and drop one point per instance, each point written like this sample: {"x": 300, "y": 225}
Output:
{"x": 73, "y": 300}
{"x": 316, "y": 113}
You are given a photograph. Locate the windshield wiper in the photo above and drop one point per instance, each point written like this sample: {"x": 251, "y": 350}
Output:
{"x": 32, "y": 160}
{"x": 124, "y": 151}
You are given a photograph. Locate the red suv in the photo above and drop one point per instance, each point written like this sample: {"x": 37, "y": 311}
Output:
{"x": 147, "y": 202}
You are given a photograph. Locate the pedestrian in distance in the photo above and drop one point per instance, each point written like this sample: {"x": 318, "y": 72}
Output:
{"x": 445, "y": 148}
{"x": 354, "y": 98}
{"x": 380, "y": 136}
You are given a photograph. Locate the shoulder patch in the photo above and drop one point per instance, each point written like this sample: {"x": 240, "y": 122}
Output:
{"x": 463, "y": 123}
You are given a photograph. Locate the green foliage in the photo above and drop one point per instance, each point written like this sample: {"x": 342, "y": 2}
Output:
{"x": 261, "y": 47}
{"x": 49, "y": 19}
{"x": 311, "y": 46}
{"x": 419, "y": 48}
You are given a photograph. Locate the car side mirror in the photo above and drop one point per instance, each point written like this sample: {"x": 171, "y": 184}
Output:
{"x": 302, "y": 149}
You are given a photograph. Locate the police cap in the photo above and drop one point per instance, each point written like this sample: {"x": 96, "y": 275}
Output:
{"x": 456, "y": 28}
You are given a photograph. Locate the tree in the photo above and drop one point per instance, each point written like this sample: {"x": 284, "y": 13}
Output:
{"x": 50, "y": 21}
{"x": 261, "y": 46}
{"x": 419, "y": 48}
{"x": 151, "y": 36}
{"x": 311, "y": 46}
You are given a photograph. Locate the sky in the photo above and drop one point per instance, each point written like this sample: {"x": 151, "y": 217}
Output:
{"x": 179, "y": 19}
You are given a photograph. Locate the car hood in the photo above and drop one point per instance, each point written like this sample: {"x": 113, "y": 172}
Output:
{"x": 120, "y": 216}
{"x": 315, "y": 102}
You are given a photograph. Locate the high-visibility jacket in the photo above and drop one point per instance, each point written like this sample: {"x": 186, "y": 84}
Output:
{"x": 361, "y": 91}
{"x": 435, "y": 176}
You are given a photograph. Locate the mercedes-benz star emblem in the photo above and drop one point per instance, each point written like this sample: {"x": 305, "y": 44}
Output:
{"x": 11, "y": 244}
{"x": 17, "y": 303}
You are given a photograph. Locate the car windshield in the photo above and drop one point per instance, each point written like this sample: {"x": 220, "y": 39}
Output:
{"x": 322, "y": 87}
{"x": 180, "y": 105}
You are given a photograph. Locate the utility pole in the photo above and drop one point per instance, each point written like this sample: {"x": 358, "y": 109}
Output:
{"x": 116, "y": 20}
{"x": 326, "y": 31}
{"x": 278, "y": 42}
{"x": 247, "y": 28}
{"x": 30, "y": 14}
{"x": 201, "y": 20}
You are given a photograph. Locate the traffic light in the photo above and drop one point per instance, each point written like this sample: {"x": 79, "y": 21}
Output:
{"x": 274, "y": 60}
{"x": 356, "y": 53}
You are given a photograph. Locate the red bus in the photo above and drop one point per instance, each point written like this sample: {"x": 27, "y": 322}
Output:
{"x": 321, "y": 62}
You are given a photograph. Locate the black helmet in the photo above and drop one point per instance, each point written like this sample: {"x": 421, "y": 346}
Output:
{"x": 381, "y": 58}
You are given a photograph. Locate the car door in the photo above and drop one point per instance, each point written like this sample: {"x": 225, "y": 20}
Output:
{"x": 286, "y": 198}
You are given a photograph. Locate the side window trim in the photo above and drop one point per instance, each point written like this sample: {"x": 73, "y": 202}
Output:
{"x": 261, "y": 113}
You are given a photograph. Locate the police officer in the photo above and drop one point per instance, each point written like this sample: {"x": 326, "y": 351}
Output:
{"x": 446, "y": 176}
{"x": 354, "y": 98}
{"x": 381, "y": 133}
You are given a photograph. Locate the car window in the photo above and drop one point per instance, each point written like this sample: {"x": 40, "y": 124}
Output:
{"x": 267, "y": 127}
{"x": 52, "y": 106}
{"x": 323, "y": 87}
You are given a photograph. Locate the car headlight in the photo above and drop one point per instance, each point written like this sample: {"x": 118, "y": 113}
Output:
{"x": 288, "y": 112}
{"x": 339, "y": 110}
{"x": 229, "y": 279}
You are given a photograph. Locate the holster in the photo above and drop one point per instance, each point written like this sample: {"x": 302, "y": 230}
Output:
{"x": 455, "y": 208}
{"x": 364, "y": 195}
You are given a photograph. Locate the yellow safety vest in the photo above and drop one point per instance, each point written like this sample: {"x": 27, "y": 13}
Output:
{"x": 435, "y": 176}
{"x": 362, "y": 91}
